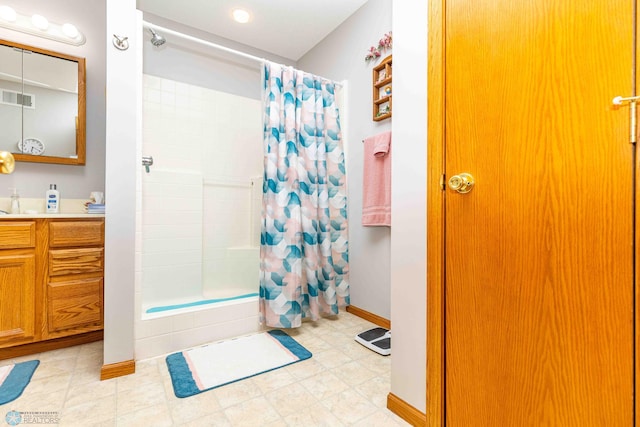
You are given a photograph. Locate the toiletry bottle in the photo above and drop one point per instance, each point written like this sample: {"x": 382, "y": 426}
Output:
{"x": 53, "y": 199}
{"x": 15, "y": 201}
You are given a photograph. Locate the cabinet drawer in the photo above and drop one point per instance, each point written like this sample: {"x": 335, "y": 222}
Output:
{"x": 74, "y": 304}
{"x": 17, "y": 234}
{"x": 76, "y": 233}
{"x": 75, "y": 261}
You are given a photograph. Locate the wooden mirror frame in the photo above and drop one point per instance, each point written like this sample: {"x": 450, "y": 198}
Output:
{"x": 80, "y": 119}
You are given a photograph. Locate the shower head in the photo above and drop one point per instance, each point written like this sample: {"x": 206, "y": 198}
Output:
{"x": 156, "y": 39}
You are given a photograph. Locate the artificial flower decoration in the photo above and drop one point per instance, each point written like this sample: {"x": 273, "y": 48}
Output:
{"x": 386, "y": 42}
{"x": 373, "y": 53}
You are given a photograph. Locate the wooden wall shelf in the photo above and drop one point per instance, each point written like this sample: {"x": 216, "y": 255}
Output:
{"x": 382, "y": 76}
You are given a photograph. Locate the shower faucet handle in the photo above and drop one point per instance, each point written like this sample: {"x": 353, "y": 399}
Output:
{"x": 146, "y": 162}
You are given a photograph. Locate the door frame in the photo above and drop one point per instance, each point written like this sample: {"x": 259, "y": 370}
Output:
{"x": 435, "y": 214}
{"x": 435, "y": 386}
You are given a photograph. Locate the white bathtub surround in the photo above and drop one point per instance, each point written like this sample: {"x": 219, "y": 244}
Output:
{"x": 172, "y": 236}
{"x": 198, "y": 219}
{"x": 171, "y": 333}
{"x": 237, "y": 276}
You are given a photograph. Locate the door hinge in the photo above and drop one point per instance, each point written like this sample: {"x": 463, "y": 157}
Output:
{"x": 633, "y": 125}
{"x": 633, "y": 115}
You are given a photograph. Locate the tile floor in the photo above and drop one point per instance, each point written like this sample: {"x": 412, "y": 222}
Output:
{"x": 343, "y": 384}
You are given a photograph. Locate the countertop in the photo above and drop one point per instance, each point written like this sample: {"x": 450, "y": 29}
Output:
{"x": 45, "y": 215}
{"x": 35, "y": 208}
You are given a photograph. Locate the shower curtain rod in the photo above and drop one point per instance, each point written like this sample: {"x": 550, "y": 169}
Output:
{"x": 259, "y": 60}
{"x": 146, "y": 24}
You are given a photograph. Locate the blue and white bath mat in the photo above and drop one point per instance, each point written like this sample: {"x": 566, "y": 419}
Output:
{"x": 14, "y": 379}
{"x": 203, "y": 368}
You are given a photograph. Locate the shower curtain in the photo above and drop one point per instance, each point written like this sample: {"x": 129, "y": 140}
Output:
{"x": 304, "y": 257}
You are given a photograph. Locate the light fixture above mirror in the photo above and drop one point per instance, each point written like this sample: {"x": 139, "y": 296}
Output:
{"x": 40, "y": 26}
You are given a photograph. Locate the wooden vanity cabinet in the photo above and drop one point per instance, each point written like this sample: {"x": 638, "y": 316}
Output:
{"x": 51, "y": 283}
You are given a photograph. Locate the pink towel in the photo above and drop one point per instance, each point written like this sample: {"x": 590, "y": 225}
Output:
{"x": 376, "y": 189}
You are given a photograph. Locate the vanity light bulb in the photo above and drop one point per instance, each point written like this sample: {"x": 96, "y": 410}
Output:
{"x": 241, "y": 16}
{"x": 8, "y": 14}
{"x": 40, "y": 22}
{"x": 70, "y": 31}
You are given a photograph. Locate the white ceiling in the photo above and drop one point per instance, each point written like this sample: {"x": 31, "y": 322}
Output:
{"x": 288, "y": 28}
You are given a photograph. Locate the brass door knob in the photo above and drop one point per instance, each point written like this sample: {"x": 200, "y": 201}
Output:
{"x": 462, "y": 183}
{"x": 7, "y": 162}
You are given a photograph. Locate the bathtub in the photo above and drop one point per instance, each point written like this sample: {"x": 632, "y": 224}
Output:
{"x": 187, "y": 307}
{"x": 170, "y": 330}
{"x": 221, "y": 312}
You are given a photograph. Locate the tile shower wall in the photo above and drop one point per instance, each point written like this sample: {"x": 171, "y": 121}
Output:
{"x": 196, "y": 212}
{"x": 172, "y": 242}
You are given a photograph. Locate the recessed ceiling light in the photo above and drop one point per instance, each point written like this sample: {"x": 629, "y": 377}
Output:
{"x": 40, "y": 22}
{"x": 8, "y": 14}
{"x": 241, "y": 16}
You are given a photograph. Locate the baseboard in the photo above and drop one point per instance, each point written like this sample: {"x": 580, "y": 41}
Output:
{"x": 406, "y": 411}
{"x": 119, "y": 369}
{"x": 367, "y": 315}
{"x": 48, "y": 345}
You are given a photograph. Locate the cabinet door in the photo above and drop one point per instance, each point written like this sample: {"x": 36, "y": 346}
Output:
{"x": 17, "y": 298}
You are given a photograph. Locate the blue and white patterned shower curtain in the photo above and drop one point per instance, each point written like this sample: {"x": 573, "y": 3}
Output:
{"x": 304, "y": 257}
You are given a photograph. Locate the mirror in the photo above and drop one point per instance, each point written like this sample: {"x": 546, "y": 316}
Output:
{"x": 42, "y": 105}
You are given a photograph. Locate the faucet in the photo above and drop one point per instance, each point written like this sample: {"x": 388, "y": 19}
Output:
{"x": 146, "y": 162}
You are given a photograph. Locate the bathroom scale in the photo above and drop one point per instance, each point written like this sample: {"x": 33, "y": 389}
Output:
{"x": 376, "y": 339}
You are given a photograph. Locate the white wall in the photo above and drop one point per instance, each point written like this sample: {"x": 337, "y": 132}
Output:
{"x": 408, "y": 204}
{"x": 388, "y": 270}
{"x": 124, "y": 89}
{"x": 33, "y": 179}
{"x": 340, "y": 56}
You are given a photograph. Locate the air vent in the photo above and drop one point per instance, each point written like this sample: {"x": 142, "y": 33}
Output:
{"x": 17, "y": 99}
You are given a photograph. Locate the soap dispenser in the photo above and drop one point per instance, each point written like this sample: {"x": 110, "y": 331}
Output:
{"x": 15, "y": 201}
{"x": 53, "y": 199}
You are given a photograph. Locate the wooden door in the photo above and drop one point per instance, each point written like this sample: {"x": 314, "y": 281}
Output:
{"x": 539, "y": 292}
